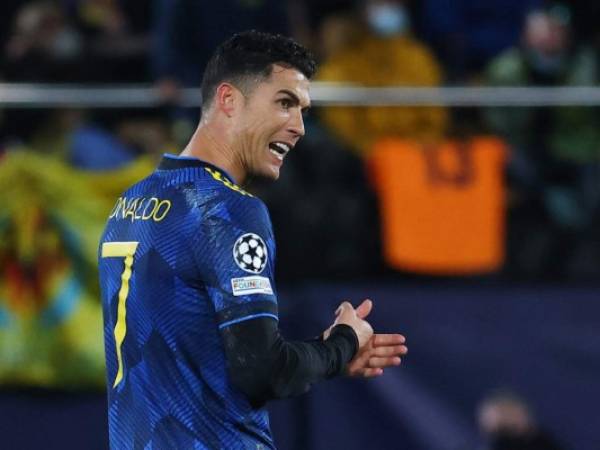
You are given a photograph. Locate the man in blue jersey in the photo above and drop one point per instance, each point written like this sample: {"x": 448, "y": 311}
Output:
{"x": 193, "y": 348}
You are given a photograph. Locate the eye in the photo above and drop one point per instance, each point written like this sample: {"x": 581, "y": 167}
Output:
{"x": 285, "y": 103}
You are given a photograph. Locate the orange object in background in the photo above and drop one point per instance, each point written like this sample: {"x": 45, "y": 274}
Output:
{"x": 442, "y": 206}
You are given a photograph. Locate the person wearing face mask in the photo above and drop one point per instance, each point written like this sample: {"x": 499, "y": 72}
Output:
{"x": 554, "y": 149}
{"x": 387, "y": 18}
{"x": 382, "y": 52}
{"x": 507, "y": 423}
{"x": 467, "y": 34}
{"x": 547, "y": 56}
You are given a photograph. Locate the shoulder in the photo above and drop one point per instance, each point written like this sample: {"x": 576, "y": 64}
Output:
{"x": 229, "y": 204}
{"x": 223, "y": 183}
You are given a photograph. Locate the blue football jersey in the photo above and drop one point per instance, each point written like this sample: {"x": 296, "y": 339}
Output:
{"x": 185, "y": 253}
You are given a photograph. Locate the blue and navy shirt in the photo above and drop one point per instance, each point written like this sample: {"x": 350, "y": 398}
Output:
{"x": 185, "y": 253}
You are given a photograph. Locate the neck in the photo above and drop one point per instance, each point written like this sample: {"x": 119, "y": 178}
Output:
{"x": 205, "y": 145}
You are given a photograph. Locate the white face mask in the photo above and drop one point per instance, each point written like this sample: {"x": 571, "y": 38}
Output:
{"x": 388, "y": 19}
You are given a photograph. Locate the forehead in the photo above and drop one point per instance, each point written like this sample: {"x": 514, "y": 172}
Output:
{"x": 288, "y": 79}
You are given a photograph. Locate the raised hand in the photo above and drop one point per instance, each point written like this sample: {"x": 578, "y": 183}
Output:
{"x": 382, "y": 350}
{"x": 347, "y": 315}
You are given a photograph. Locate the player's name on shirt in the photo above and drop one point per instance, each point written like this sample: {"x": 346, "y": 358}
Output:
{"x": 140, "y": 208}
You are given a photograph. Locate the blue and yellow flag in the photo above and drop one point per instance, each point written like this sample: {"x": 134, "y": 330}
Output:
{"x": 51, "y": 217}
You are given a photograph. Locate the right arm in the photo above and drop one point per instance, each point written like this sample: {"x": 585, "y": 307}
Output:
{"x": 264, "y": 366}
{"x": 236, "y": 252}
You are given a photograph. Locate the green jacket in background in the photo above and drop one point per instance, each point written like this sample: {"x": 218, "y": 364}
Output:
{"x": 573, "y": 133}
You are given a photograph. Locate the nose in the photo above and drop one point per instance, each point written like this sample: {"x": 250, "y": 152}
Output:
{"x": 296, "y": 124}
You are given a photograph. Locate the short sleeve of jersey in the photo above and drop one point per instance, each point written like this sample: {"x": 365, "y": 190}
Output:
{"x": 235, "y": 251}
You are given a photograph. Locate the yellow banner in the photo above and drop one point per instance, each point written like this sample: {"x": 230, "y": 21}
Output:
{"x": 51, "y": 218}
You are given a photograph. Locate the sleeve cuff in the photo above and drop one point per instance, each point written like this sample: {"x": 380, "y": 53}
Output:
{"x": 246, "y": 311}
{"x": 346, "y": 332}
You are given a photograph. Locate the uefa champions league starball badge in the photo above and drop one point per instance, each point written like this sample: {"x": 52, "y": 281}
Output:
{"x": 250, "y": 253}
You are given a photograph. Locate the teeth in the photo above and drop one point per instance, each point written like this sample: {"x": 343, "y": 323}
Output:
{"x": 279, "y": 149}
{"x": 278, "y": 155}
{"x": 284, "y": 147}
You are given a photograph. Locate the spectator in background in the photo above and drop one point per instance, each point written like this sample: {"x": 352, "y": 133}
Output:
{"x": 506, "y": 422}
{"x": 555, "y": 150}
{"x": 75, "y": 41}
{"x": 466, "y": 34}
{"x": 187, "y": 31}
{"x": 43, "y": 46}
{"x": 547, "y": 57}
{"x": 382, "y": 53}
{"x": 117, "y": 38}
{"x": 91, "y": 146}
{"x": 310, "y": 17}
{"x": 9, "y": 9}
{"x": 76, "y": 139}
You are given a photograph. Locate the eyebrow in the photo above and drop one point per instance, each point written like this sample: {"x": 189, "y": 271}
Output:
{"x": 294, "y": 97}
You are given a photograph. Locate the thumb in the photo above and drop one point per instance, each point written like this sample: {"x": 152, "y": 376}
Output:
{"x": 343, "y": 307}
{"x": 364, "y": 308}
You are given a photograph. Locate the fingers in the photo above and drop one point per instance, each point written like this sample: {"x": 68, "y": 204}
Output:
{"x": 362, "y": 311}
{"x": 369, "y": 362}
{"x": 390, "y": 350}
{"x": 388, "y": 339}
{"x": 364, "y": 308}
{"x": 380, "y": 363}
{"x": 370, "y": 373}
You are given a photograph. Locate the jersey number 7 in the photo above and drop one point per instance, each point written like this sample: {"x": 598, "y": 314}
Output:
{"x": 121, "y": 250}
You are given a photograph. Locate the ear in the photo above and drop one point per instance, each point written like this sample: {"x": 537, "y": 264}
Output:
{"x": 227, "y": 99}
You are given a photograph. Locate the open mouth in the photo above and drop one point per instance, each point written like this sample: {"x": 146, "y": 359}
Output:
{"x": 279, "y": 149}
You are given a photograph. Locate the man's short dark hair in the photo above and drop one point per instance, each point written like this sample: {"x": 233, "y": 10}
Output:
{"x": 247, "y": 58}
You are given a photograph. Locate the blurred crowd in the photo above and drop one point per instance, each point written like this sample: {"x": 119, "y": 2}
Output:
{"x": 507, "y": 422}
{"x": 539, "y": 180}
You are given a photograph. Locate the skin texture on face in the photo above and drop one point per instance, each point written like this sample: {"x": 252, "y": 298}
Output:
{"x": 271, "y": 112}
{"x": 545, "y": 34}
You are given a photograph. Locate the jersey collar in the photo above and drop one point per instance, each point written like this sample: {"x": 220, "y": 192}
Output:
{"x": 172, "y": 162}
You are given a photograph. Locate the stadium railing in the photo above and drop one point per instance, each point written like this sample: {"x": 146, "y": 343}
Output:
{"x": 21, "y": 95}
